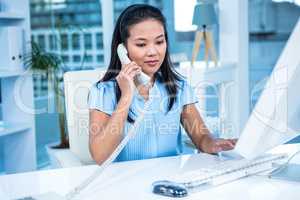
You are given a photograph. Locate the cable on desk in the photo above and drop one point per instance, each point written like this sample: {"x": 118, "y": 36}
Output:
{"x": 131, "y": 133}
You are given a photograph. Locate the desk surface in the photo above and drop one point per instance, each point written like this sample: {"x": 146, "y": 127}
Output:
{"x": 133, "y": 179}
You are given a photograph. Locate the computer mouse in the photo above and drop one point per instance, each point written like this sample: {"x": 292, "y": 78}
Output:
{"x": 170, "y": 189}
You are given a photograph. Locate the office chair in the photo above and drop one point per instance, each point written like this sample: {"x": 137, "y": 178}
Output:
{"x": 77, "y": 85}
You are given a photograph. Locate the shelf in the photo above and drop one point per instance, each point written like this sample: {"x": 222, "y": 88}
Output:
{"x": 200, "y": 73}
{"x": 11, "y": 128}
{"x": 6, "y": 73}
{"x": 11, "y": 16}
{"x": 17, "y": 133}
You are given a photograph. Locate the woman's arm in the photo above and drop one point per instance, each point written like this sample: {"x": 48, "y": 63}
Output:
{"x": 105, "y": 132}
{"x": 199, "y": 133}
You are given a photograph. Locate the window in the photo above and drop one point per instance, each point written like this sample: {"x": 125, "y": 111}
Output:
{"x": 184, "y": 14}
{"x": 52, "y": 42}
{"x": 99, "y": 40}
{"x": 75, "y": 41}
{"x": 297, "y": 2}
{"x": 62, "y": 22}
{"x": 76, "y": 58}
{"x": 88, "y": 58}
{"x": 64, "y": 42}
{"x": 100, "y": 58}
{"x": 32, "y": 38}
{"x": 88, "y": 41}
{"x": 65, "y": 58}
{"x": 41, "y": 41}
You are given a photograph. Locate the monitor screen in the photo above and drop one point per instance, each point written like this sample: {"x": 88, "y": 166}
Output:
{"x": 275, "y": 118}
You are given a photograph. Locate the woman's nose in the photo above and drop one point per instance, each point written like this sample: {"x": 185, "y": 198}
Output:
{"x": 151, "y": 51}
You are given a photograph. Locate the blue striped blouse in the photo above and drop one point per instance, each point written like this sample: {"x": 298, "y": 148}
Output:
{"x": 159, "y": 134}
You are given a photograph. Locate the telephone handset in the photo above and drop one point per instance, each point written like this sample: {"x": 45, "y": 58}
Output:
{"x": 141, "y": 78}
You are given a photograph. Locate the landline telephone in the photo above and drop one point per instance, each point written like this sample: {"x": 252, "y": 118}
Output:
{"x": 141, "y": 78}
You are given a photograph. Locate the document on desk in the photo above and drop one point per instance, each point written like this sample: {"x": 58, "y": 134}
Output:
{"x": 275, "y": 117}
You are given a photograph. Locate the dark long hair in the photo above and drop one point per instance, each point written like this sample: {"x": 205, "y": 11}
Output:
{"x": 132, "y": 15}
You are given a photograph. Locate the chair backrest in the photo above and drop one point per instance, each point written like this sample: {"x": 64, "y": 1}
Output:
{"x": 77, "y": 85}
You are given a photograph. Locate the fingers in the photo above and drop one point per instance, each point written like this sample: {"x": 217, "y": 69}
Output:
{"x": 216, "y": 149}
{"x": 234, "y": 140}
{"x": 131, "y": 70}
{"x": 129, "y": 67}
{"x": 224, "y": 145}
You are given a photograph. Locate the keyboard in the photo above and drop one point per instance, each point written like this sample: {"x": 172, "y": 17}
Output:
{"x": 228, "y": 170}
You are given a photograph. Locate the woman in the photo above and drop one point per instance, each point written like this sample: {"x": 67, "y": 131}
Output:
{"x": 117, "y": 100}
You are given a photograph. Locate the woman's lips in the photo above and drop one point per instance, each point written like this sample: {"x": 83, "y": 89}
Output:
{"x": 152, "y": 62}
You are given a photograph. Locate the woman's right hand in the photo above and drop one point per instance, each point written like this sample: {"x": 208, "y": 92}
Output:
{"x": 125, "y": 80}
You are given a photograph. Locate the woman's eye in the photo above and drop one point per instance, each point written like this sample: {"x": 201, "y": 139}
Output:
{"x": 141, "y": 45}
{"x": 160, "y": 42}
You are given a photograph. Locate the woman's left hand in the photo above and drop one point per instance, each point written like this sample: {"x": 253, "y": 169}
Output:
{"x": 217, "y": 145}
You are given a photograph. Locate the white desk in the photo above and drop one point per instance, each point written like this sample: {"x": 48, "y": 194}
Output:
{"x": 132, "y": 180}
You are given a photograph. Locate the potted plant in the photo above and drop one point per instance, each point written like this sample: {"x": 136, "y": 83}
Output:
{"x": 51, "y": 65}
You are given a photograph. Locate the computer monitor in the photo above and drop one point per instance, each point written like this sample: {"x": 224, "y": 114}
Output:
{"x": 275, "y": 118}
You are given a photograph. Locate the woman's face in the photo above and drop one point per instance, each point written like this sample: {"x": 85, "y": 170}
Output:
{"x": 147, "y": 45}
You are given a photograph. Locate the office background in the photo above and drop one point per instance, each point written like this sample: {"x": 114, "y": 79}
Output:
{"x": 73, "y": 30}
